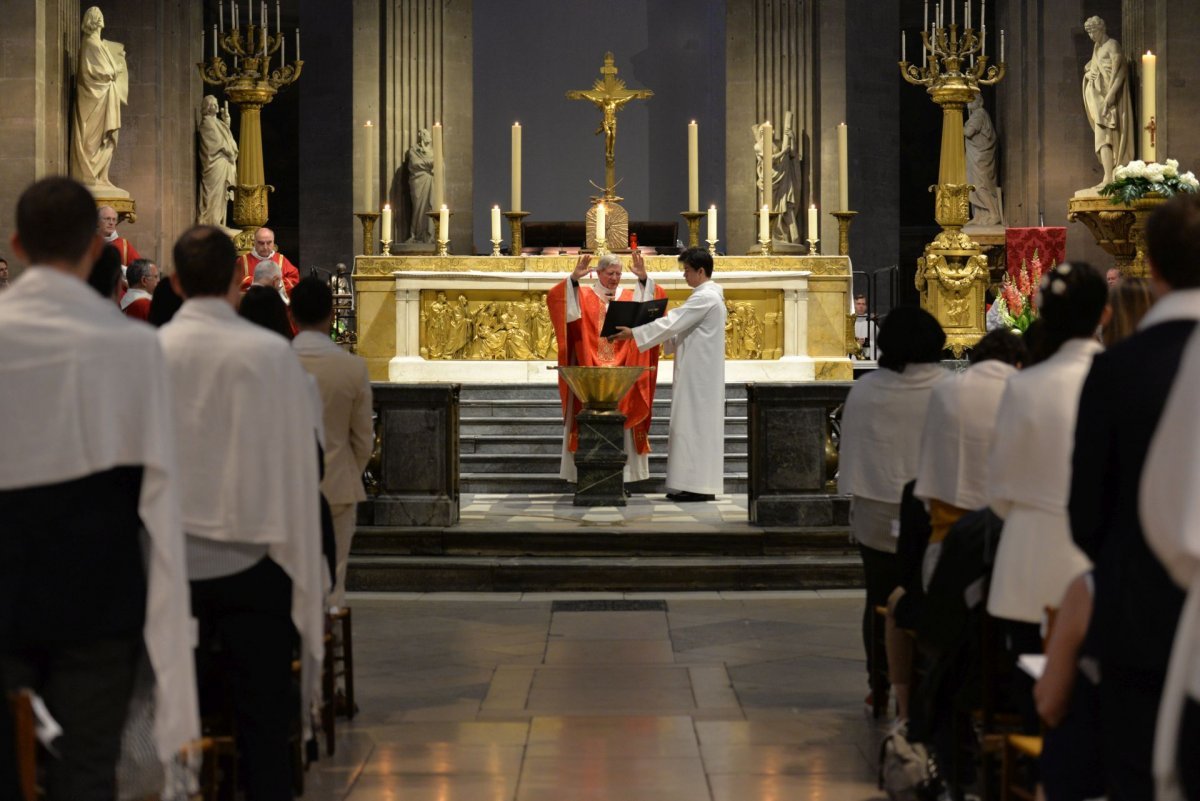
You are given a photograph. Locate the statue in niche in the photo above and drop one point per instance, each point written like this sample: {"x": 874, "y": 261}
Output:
{"x": 437, "y": 328}
{"x": 101, "y": 88}
{"x": 419, "y": 162}
{"x": 218, "y": 163}
{"x": 785, "y": 180}
{"x": 460, "y": 329}
{"x": 986, "y": 205}
{"x": 1107, "y": 103}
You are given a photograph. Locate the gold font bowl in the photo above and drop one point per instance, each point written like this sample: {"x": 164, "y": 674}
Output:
{"x": 600, "y": 388}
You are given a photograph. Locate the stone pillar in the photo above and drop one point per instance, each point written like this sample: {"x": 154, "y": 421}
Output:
{"x": 419, "y": 471}
{"x": 414, "y": 68}
{"x": 600, "y": 460}
{"x": 768, "y": 72}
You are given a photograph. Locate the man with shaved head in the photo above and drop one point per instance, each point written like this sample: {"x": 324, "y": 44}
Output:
{"x": 264, "y": 250}
{"x": 107, "y": 227}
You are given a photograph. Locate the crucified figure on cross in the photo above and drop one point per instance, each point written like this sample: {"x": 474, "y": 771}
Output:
{"x": 610, "y": 94}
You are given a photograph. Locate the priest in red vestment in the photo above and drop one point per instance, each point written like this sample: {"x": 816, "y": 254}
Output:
{"x": 142, "y": 277}
{"x": 264, "y": 250}
{"x": 577, "y": 310}
{"x": 108, "y": 229}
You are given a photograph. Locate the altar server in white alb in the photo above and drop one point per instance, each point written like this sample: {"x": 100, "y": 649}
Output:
{"x": 695, "y": 333}
{"x": 251, "y": 511}
{"x": 91, "y": 550}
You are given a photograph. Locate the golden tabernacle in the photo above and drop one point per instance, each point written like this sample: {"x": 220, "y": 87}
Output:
{"x": 483, "y": 319}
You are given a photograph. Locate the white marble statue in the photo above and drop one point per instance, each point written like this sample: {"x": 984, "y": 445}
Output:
{"x": 986, "y": 206}
{"x": 420, "y": 187}
{"x": 218, "y": 163}
{"x": 1106, "y": 101}
{"x": 101, "y": 88}
{"x": 785, "y": 180}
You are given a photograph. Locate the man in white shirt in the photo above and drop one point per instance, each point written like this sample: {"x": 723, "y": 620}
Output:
{"x": 346, "y": 398}
{"x": 91, "y": 551}
{"x": 695, "y": 333}
{"x": 250, "y": 507}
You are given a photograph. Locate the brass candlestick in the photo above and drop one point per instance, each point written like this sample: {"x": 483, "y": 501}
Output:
{"x": 952, "y": 275}
{"x": 844, "y": 219}
{"x": 812, "y": 246}
{"x": 443, "y": 247}
{"x": 693, "y": 225}
{"x": 496, "y": 246}
{"x": 368, "y": 219}
{"x": 712, "y": 246}
{"x": 387, "y": 247}
{"x": 251, "y": 84}
{"x": 764, "y": 246}
{"x": 515, "y": 231}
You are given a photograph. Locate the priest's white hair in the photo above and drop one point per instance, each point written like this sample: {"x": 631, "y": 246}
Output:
{"x": 267, "y": 272}
{"x": 608, "y": 259}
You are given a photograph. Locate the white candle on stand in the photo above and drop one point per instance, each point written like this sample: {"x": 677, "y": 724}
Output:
{"x": 693, "y": 166}
{"x": 439, "y": 168}
{"x": 767, "y": 142}
{"x": 262, "y": 16}
{"x": 385, "y": 230}
{"x": 925, "y": 25}
{"x": 297, "y": 44}
{"x": 221, "y": 15}
{"x": 712, "y": 223}
{"x": 903, "y": 47}
{"x": 214, "y": 41}
{"x": 495, "y": 223}
{"x": 250, "y": 13}
{"x": 843, "y": 166}
{"x": 278, "y": 19}
{"x": 600, "y": 217}
{"x": 764, "y": 224}
{"x": 516, "y": 167}
{"x": 1149, "y": 146}
{"x": 1001, "y": 45}
{"x": 444, "y": 224}
{"x": 814, "y": 230}
{"x": 368, "y": 196}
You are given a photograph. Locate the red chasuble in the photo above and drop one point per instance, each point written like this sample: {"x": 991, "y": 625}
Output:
{"x": 579, "y": 343}
{"x": 247, "y": 261}
{"x": 128, "y": 252}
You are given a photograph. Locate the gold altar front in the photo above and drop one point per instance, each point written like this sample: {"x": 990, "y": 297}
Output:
{"x": 484, "y": 318}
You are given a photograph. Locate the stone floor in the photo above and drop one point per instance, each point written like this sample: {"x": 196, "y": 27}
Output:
{"x": 722, "y": 696}
{"x": 555, "y": 512}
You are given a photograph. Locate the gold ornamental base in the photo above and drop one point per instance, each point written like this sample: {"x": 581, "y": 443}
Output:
{"x": 516, "y": 231}
{"x": 368, "y": 219}
{"x": 1120, "y": 229}
{"x": 693, "y": 225}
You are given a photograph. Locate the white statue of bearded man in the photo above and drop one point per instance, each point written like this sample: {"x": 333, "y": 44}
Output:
{"x": 101, "y": 88}
{"x": 218, "y": 163}
{"x": 1106, "y": 101}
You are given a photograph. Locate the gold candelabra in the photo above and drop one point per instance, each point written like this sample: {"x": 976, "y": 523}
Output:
{"x": 251, "y": 83}
{"x": 952, "y": 275}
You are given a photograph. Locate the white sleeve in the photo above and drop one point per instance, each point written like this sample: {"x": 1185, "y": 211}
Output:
{"x": 676, "y": 323}
{"x": 572, "y": 293}
{"x": 643, "y": 292}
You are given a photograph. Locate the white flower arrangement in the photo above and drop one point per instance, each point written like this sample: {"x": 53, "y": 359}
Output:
{"x": 1137, "y": 179}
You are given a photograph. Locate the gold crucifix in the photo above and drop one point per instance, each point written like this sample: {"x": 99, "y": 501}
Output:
{"x": 610, "y": 95}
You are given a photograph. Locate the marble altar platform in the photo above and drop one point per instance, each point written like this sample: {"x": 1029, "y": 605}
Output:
{"x": 480, "y": 319}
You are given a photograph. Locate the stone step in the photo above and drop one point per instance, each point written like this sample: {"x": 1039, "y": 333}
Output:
{"x": 549, "y": 462}
{"x": 538, "y": 407}
{"x": 550, "y": 391}
{"x": 552, "y": 443}
{"x": 551, "y": 483}
{"x": 731, "y": 540}
{"x": 612, "y": 574}
{"x": 524, "y": 426}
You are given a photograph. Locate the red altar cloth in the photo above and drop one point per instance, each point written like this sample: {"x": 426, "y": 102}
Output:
{"x": 1049, "y": 242}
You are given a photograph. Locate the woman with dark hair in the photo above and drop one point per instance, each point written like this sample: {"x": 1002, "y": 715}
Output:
{"x": 881, "y": 435}
{"x": 163, "y": 304}
{"x": 1030, "y": 465}
{"x": 263, "y": 306}
{"x": 105, "y": 276}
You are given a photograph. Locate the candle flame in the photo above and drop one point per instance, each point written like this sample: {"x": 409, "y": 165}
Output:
{"x": 368, "y": 125}
{"x": 1149, "y": 54}
{"x": 387, "y": 206}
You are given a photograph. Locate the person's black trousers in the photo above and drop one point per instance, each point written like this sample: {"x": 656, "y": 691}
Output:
{"x": 882, "y": 574}
{"x": 244, "y": 664}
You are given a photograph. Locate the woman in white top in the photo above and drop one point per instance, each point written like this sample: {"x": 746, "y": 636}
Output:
{"x": 881, "y": 436}
{"x": 1030, "y": 465}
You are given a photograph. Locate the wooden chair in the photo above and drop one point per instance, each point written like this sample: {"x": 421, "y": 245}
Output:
{"x": 328, "y": 693}
{"x": 343, "y": 659}
{"x": 25, "y": 742}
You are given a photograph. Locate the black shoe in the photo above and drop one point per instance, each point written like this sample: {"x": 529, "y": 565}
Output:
{"x": 689, "y": 497}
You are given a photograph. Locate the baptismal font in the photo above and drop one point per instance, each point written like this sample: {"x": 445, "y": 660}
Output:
{"x": 952, "y": 275}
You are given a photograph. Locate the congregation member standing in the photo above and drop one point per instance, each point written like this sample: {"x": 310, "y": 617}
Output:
{"x": 1136, "y": 605}
{"x": 881, "y": 440}
{"x": 695, "y": 333}
{"x": 346, "y": 399}
{"x": 87, "y": 465}
{"x": 142, "y": 277}
{"x": 248, "y": 472}
{"x": 578, "y": 312}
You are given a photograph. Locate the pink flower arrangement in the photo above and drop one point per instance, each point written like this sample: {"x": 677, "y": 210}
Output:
{"x": 1018, "y": 296}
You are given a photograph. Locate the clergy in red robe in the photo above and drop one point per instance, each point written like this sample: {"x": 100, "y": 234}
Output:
{"x": 264, "y": 250}
{"x": 577, "y": 310}
{"x": 108, "y": 218}
{"x": 142, "y": 277}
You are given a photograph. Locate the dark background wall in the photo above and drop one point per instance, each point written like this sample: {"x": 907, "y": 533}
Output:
{"x": 673, "y": 47}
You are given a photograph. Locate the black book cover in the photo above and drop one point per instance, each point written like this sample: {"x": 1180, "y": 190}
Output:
{"x": 631, "y": 314}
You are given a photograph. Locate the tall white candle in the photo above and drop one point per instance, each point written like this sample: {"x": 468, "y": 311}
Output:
{"x": 278, "y": 18}
{"x": 814, "y": 228}
{"x": 262, "y": 17}
{"x": 444, "y": 224}
{"x": 693, "y": 166}
{"x": 385, "y": 230}
{"x": 368, "y": 186}
{"x": 516, "y": 167}
{"x": 495, "y": 223}
{"x": 1149, "y": 146}
{"x": 843, "y": 167}
{"x": 221, "y": 15}
{"x": 767, "y": 138}
{"x": 297, "y": 44}
{"x": 1001, "y": 45}
{"x": 601, "y": 239}
{"x": 903, "y": 47}
{"x": 952, "y": 17}
{"x": 764, "y": 223}
{"x": 250, "y": 13}
{"x": 214, "y": 41}
{"x": 439, "y": 168}
{"x": 712, "y": 223}
{"x": 925, "y": 25}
